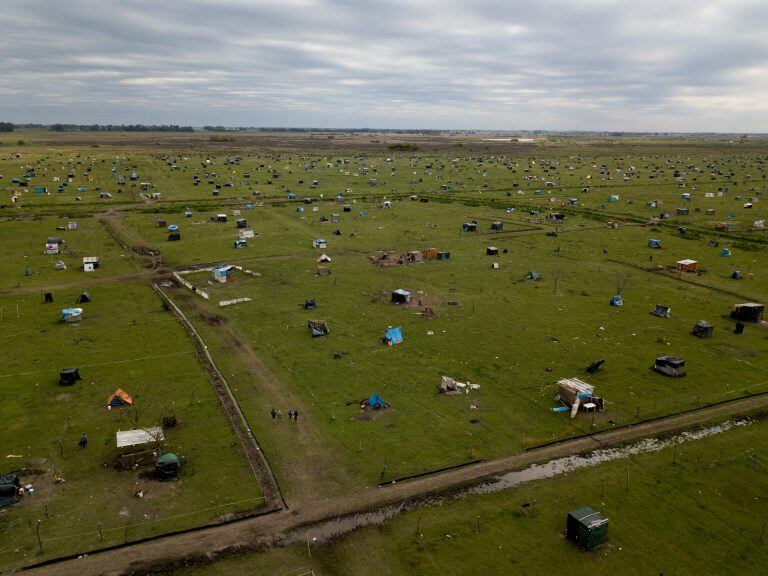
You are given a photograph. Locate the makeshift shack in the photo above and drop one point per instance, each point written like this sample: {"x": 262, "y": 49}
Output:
{"x": 223, "y": 273}
{"x": 319, "y": 243}
{"x": 587, "y": 527}
{"x": 533, "y": 275}
{"x": 469, "y": 227}
{"x": 687, "y": 265}
{"x": 83, "y": 298}
{"x": 653, "y": 243}
{"x": 578, "y": 394}
{"x": 174, "y": 236}
{"x": 401, "y": 296}
{"x": 492, "y": 251}
{"x": 617, "y": 301}
{"x": 90, "y": 263}
{"x": 318, "y": 328}
{"x": 497, "y": 226}
{"x": 10, "y": 488}
{"x": 748, "y": 312}
{"x": 703, "y": 329}
{"x": 662, "y": 311}
{"x": 71, "y": 314}
{"x": 669, "y": 366}
{"x": 68, "y": 376}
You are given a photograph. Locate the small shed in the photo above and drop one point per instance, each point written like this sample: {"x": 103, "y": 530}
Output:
{"x": 703, "y": 329}
{"x": 748, "y": 312}
{"x": 469, "y": 227}
{"x": 586, "y": 527}
{"x": 572, "y": 389}
{"x": 223, "y": 273}
{"x": 401, "y": 296}
{"x": 669, "y": 366}
{"x": 687, "y": 265}
{"x": 90, "y": 263}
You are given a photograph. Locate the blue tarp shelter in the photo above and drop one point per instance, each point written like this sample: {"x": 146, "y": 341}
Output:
{"x": 653, "y": 243}
{"x": 393, "y": 336}
{"x": 617, "y": 301}
{"x": 375, "y": 402}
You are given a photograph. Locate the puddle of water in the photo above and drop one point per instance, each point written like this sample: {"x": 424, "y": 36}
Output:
{"x": 333, "y": 528}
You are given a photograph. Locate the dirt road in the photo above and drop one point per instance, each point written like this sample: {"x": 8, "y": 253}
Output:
{"x": 259, "y": 532}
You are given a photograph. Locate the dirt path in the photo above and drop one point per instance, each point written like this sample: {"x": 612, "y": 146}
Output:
{"x": 317, "y": 468}
{"x": 256, "y": 533}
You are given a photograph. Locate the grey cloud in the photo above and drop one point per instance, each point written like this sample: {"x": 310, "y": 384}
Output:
{"x": 555, "y": 64}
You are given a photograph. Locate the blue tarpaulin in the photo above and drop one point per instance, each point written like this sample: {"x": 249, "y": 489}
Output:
{"x": 394, "y": 336}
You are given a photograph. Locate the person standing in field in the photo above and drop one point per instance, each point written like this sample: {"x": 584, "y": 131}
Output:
{"x": 296, "y": 416}
{"x": 279, "y": 415}
{"x": 274, "y": 414}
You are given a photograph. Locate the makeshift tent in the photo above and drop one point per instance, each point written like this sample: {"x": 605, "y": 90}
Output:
{"x": 167, "y": 465}
{"x": 241, "y": 243}
{"x": 669, "y": 366}
{"x": 616, "y": 300}
{"x": 687, "y": 265}
{"x": 60, "y": 265}
{"x": 653, "y": 243}
{"x": 319, "y": 243}
{"x": 68, "y": 376}
{"x": 174, "y": 236}
{"x": 450, "y": 386}
{"x": 492, "y": 251}
{"x": 310, "y": 304}
{"x": 586, "y": 527}
{"x": 318, "y": 328}
{"x": 748, "y": 312}
{"x": 595, "y": 366}
{"x": 469, "y": 227}
{"x": 533, "y": 275}
{"x": 726, "y": 252}
{"x": 161, "y": 222}
{"x": 241, "y": 223}
{"x": 375, "y": 402}
{"x": 703, "y": 329}
{"x": 323, "y": 258}
{"x": 71, "y": 314}
{"x": 497, "y": 225}
{"x": 443, "y": 255}
{"x": 713, "y": 244}
{"x": 662, "y": 311}
{"x": 401, "y": 296}
{"x": 119, "y": 398}
{"x": 173, "y": 228}
{"x": 221, "y": 218}
{"x": 83, "y": 298}
{"x": 323, "y": 271}
{"x": 393, "y": 336}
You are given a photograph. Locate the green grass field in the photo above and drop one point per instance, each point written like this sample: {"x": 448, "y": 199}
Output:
{"x": 696, "y": 509}
{"x": 493, "y": 327}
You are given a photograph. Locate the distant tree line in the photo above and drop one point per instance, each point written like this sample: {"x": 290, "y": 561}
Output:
{"x": 6, "y": 127}
{"x": 120, "y": 128}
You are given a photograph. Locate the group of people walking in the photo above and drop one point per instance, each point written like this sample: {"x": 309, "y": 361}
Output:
{"x": 277, "y": 415}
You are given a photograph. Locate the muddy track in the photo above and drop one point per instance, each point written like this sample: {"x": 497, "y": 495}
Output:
{"x": 262, "y": 532}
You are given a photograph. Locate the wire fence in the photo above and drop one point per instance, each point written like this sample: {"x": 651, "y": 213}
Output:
{"x": 58, "y": 535}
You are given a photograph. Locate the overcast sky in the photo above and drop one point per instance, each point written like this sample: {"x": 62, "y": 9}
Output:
{"x": 648, "y": 65}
